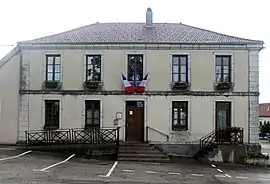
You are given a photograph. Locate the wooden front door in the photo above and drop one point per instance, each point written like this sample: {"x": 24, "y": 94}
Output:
{"x": 223, "y": 120}
{"x": 134, "y": 121}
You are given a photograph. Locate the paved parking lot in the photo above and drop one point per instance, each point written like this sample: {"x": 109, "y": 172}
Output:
{"x": 33, "y": 167}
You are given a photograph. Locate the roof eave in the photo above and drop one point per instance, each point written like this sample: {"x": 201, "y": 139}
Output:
{"x": 259, "y": 43}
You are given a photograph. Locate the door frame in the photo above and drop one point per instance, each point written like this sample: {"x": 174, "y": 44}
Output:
{"x": 144, "y": 117}
{"x": 232, "y": 112}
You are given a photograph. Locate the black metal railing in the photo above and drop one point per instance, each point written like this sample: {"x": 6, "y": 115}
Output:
{"x": 73, "y": 136}
{"x": 155, "y": 130}
{"x": 230, "y": 135}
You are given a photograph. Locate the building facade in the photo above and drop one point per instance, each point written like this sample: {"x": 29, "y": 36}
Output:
{"x": 198, "y": 81}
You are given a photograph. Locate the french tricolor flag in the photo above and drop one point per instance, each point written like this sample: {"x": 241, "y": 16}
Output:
{"x": 128, "y": 87}
{"x": 141, "y": 87}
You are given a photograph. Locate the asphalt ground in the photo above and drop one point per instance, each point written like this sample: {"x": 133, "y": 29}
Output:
{"x": 44, "y": 168}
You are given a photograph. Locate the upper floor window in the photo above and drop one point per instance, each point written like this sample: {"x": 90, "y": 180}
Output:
{"x": 93, "y": 68}
{"x": 92, "y": 113}
{"x": 180, "y": 115}
{"x": 135, "y": 68}
{"x": 53, "y": 67}
{"x": 223, "y": 68}
{"x": 52, "y": 115}
{"x": 180, "y": 68}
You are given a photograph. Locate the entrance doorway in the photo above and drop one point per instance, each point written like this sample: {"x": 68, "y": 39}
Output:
{"x": 135, "y": 121}
{"x": 223, "y": 121}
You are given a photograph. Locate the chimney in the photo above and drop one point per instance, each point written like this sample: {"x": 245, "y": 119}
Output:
{"x": 149, "y": 18}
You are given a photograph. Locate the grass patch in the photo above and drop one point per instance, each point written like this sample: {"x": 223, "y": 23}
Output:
{"x": 265, "y": 142}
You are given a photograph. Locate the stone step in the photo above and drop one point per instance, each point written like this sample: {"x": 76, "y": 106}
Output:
{"x": 139, "y": 159}
{"x": 134, "y": 151}
{"x": 143, "y": 155}
{"x": 136, "y": 148}
{"x": 134, "y": 145}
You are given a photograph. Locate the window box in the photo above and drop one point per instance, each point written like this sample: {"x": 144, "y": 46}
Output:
{"x": 180, "y": 85}
{"x": 92, "y": 84}
{"x": 51, "y": 84}
{"x": 223, "y": 86}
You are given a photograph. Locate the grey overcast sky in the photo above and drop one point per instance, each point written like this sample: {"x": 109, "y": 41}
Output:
{"x": 27, "y": 19}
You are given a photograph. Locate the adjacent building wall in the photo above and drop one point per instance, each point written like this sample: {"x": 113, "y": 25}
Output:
{"x": 9, "y": 98}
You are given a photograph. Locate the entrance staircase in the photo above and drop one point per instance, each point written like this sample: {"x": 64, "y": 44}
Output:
{"x": 209, "y": 144}
{"x": 141, "y": 152}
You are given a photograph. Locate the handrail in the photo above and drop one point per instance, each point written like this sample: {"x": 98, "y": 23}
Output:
{"x": 217, "y": 137}
{"x": 147, "y": 127}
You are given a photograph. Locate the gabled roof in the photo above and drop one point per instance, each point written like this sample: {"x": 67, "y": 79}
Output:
{"x": 110, "y": 33}
{"x": 264, "y": 110}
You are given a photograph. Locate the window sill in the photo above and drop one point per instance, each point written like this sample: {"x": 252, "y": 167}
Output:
{"x": 52, "y": 84}
{"x": 93, "y": 84}
{"x": 223, "y": 85}
{"x": 51, "y": 127}
{"x": 180, "y": 85}
{"x": 179, "y": 130}
{"x": 91, "y": 127}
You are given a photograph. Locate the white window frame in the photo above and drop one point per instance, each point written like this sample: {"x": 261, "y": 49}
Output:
{"x": 47, "y": 97}
{"x": 232, "y": 65}
{"x": 171, "y": 116}
{"x": 189, "y": 64}
{"x": 102, "y": 65}
{"x": 84, "y": 98}
{"x": 232, "y": 110}
{"x": 45, "y": 61}
{"x": 145, "y": 100}
{"x": 135, "y": 53}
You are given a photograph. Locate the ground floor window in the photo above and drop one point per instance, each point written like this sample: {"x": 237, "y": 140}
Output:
{"x": 179, "y": 115}
{"x": 52, "y": 115}
{"x": 92, "y": 113}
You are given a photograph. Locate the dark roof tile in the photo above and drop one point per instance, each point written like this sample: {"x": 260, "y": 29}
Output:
{"x": 138, "y": 33}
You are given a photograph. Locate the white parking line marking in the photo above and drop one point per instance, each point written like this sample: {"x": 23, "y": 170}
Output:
{"x": 126, "y": 170}
{"x": 220, "y": 176}
{"x": 228, "y": 175}
{"x": 17, "y": 156}
{"x": 213, "y": 165}
{"x": 174, "y": 173}
{"x": 267, "y": 179}
{"x": 196, "y": 174}
{"x": 151, "y": 172}
{"x": 7, "y": 148}
{"x": 56, "y": 164}
{"x": 241, "y": 177}
{"x": 111, "y": 170}
{"x": 220, "y": 171}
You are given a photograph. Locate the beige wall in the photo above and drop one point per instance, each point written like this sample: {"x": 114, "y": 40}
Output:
{"x": 157, "y": 63}
{"x": 158, "y": 108}
{"x": 158, "y": 113}
{"x": 9, "y": 100}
